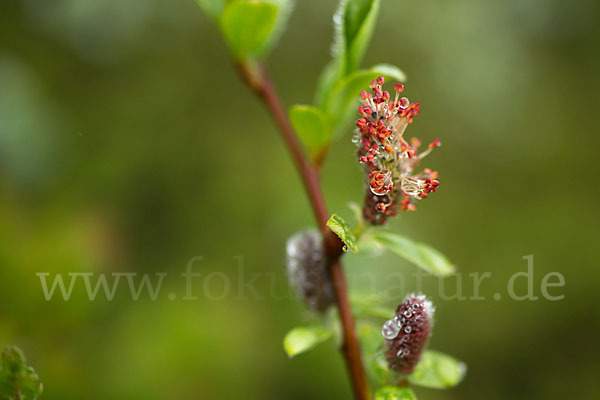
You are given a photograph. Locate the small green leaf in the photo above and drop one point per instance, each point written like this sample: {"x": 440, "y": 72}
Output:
{"x": 343, "y": 98}
{"x": 437, "y": 370}
{"x": 248, "y": 27}
{"x": 341, "y": 228}
{"x": 311, "y": 125}
{"x": 395, "y": 393}
{"x": 18, "y": 381}
{"x": 304, "y": 338}
{"x": 420, "y": 254}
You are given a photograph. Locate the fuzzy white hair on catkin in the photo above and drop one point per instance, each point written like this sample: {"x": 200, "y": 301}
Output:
{"x": 428, "y": 306}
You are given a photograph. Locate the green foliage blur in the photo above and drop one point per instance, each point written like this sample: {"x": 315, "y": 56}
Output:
{"x": 18, "y": 380}
{"x": 128, "y": 144}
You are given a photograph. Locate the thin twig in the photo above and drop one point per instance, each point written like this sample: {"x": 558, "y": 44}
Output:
{"x": 258, "y": 80}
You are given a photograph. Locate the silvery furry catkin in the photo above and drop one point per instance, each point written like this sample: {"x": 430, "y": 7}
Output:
{"x": 307, "y": 270}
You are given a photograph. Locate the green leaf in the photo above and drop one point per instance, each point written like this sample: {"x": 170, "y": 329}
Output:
{"x": 420, "y": 254}
{"x": 346, "y": 92}
{"x": 18, "y": 381}
{"x": 248, "y": 27}
{"x": 368, "y": 305}
{"x": 389, "y": 71}
{"x": 341, "y": 228}
{"x": 251, "y": 29}
{"x": 358, "y": 24}
{"x": 395, "y": 393}
{"x": 330, "y": 75}
{"x": 284, "y": 8}
{"x": 354, "y": 21}
{"x": 344, "y": 97}
{"x": 373, "y": 311}
{"x": 311, "y": 125}
{"x": 437, "y": 370}
{"x": 301, "y": 339}
{"x": 213, "y": 8}
{"x": 368, "y": 246}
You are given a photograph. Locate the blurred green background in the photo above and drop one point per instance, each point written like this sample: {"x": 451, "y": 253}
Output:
{"x": 128, "y": 144}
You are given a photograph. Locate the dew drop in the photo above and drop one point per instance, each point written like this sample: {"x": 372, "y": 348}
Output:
{"x": 390, "y": 329}
{"x": 337, "y": 19}
{"x": 407, "y": 329}
{"x": 345, "y": 248}
{"x": 404, "y": 102}
{"x": 399, "y": 321}
{"x": 403, "y": 352}
{"x": 407, "y": 314}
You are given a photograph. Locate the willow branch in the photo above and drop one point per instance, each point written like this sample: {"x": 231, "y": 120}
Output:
{"x": 256, "y": 77}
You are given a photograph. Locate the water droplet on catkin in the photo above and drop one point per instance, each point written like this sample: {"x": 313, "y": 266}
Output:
{"x": 390, "y": 329}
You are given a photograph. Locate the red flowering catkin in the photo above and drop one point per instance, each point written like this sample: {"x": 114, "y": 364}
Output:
{"x": 406, "y": 334}
{"x": 389, "y": 160}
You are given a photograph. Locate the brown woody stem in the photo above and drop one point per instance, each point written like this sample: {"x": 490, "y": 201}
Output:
{"x": 257, "y": 78}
